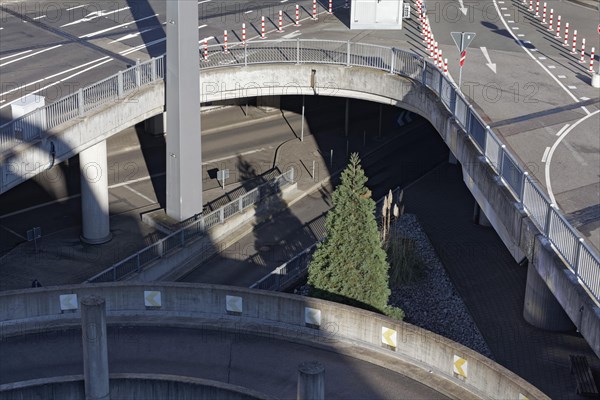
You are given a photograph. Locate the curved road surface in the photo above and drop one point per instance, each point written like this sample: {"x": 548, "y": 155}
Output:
{"x": 265, "y": 364}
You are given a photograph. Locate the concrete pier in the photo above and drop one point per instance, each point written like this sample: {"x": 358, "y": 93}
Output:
{"x": 541, "y": 309}
{"x": 94, "y": 195}
{"x": 311, "y": 381}
{"x": 95, "y": 350}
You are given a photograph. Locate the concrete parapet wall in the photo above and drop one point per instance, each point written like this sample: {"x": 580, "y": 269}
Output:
{"x": 130, "y": 386}
{"x": 419, "y": 354}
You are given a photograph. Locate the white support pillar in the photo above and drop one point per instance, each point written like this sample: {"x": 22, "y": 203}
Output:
{"x": 94, "y": 195}
{"x": 95, "y": 348}
{"x": 184, "y": 150}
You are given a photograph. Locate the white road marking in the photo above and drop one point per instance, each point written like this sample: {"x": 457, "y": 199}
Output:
{"x": 204, "y": 1}
{"x": 516, "y": 28}
{"x": 534, "y": 59}
{"x": 507, "y": 15}
{"x": 52, "y": 76}
{"x": 40, "y": 17}
{"x": 16, "y": 54}
{"x": 31, "y": 55}
{"x": 115, "y": 27}
{"x": 94, "y": 15}
{"x": 143, "y": 196}
{"x": 572, "y": 87}
{"x": 554, "y": 146}
{"x": 62, "y": 80}
{"x": 584, "y": 98}
{"x": 73, "y": 8}
{"x": 520, "y": 35}
{"x": 291, "y": 35}
{"x": 248, "y": 12}
{"x": 503, "y": 8}
{"x": 551, "y": 66}
{"x": 132, "y": 35}
{"x": 511, "y": 21}
{"x": 541, "y": 58}
{"x": 562, "y": 129}
{"x": 202, "y": 26}
{"x": 545, "y": 156}
{"x": 562, "y": 77}
{"x": 141, "y": 46}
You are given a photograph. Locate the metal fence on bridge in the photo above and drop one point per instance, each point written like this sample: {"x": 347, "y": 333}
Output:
{"x": 580, "y": 258}
{"x": 192, "y": 231}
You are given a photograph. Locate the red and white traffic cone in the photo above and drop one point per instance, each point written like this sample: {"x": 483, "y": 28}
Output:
{"x": 205, "y": 50}
{"x": 330, "y": 11}
{"x": 244, "y": 34}
{"x": 544, "y": 15}
{"x": 262, "y": 28}
{"x": 558, "y": 27}
{"x": 297, "y": 15}
{"x": 566, "y": 41}
{"x": 225, "y": 49}
{"x": 551, "y": 19}
{"x": 280, "y": 21}
{"x": 592, "y": 61}
{"x": 314, "y": 16}
{"x": 582, "y": 59}
{"x": 573, "y": 48}
{"x": 537, "y": 8}
{"x": 445, "y": 66}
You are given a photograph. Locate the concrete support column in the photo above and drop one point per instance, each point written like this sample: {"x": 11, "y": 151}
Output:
{"x": 94, "y": 195}
{"x": 541, "y": 309}
{"x": 95, "y": 350}
{"x": 311, "y": 381}
{"x": 479, "y": 216}
{"x": 156, "y": 125}
{"x": 184, "y": 150}
{"x": 452, "y": 158}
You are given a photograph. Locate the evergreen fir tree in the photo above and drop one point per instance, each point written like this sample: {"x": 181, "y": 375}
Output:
{"x": 350, "y": 266}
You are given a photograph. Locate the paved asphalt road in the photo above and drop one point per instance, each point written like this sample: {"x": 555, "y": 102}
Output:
{"x": 265, "y": 364}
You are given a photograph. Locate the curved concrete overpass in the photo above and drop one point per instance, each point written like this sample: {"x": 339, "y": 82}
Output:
{"x": 515, "y": 205}
{"x": 244, "y": 337}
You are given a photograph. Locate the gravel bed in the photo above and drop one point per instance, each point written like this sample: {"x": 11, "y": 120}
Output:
{"x": 432, "y": 302}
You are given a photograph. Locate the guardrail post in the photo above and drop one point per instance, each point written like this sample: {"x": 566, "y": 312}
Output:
{"x": 348, "y": 53}
{"x": 182, "y": 237}
{"x": 137, "y": 261}
{"x": 80, "y": 102}
{"x": 120, "y": 84}
{"x": 393, "y": 62}
{"x": 138, "y": 78}
{"x": 153, "y": 69}
{"x": 548, "y": 220}
{"x": 424, "y": 73}
{"x": 221, "y": 214}
{"x": 114, "y": 274}
{"x": 160, "y": 247}
{"x": 297, "y": 51}
{"x": 577, "y": 254}
{"x": 241, "y": 203}
{"x": 522, "y": 194}
{"x": 501, "y": 159}
{"x": 246, "y": 55}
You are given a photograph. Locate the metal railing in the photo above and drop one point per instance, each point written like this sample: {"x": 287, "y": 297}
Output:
{"x": 578, "y": 255}
{"x": 191, "y": 231}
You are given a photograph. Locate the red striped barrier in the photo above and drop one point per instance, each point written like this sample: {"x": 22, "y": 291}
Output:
{"x": 551, "y": 19}
{"x": 573, "y": 48}
{"x": 582, "y": 59}
{"x": 566, "y": 41}
{"x": 544, "y": 15}
{"x": 280, "y": 21}
{"x": 314, "y": 16}
{"x": 225, "y": 49}
{"x": 297, "y": 15}
{"x": 445, "y": 66}
{"x": 330, "y": 11}
{"x": 592, "y": 61}
{"x": 558, "y": 27}
{"x": 205, "y": 50}
{"x": 537, "y": 8}
{"x": 262, "y": 28}
{"x": 244, "y": 34}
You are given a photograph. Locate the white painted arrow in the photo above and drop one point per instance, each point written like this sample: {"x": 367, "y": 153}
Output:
{"x": 489, "y": 61}
{"x": 463, "y": 9}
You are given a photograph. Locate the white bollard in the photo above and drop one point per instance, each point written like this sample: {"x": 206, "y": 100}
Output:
{"x": 262, "y": 28}
{"x": 297, "y": 15}
{"x": 225, "y": 50}
{"x": 582, "y": 59}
